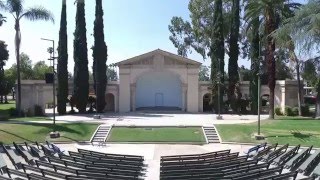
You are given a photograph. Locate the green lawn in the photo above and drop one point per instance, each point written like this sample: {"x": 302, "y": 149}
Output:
{"x": 4, "y": 108}
{"x": 24, "y": 119}
{"x": 39, "y": 132}
{"x": 164, "y": 134}
{"x": 293, "y": 131}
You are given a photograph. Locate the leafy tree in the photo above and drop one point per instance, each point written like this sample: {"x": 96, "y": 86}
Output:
{"x": 2, "y": 18}
{"x": 271, "y": 11}
{"x": 204, "y": 73}
{"x": 81, "y": 73}
{"x": 304, "y": 29}
{"x": 16, "y": 9}
{"x": 112, "y": 74}
{"x": 234, "y": 48}
{"x": 99, "y": 58}
{"x": 4, "y": 56}
{"x": 63, "y": 61}
{"x": 39, "y": 70}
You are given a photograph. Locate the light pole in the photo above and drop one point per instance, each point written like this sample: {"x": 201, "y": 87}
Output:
{"x": 53, "y": 84}
{"x": 260, "y": 73}
{"x": 219, "y": 75}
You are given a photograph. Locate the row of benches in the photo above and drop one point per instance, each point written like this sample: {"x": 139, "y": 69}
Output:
{"x": 49, "y": 161}
{"x": 223, "y": 164}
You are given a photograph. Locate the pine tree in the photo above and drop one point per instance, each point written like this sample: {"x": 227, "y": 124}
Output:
{"x": 63, "y": 61}
{"x": 99, "y": 58}
{"x": 81, "y": 73}
{"x": 234, "y": 48}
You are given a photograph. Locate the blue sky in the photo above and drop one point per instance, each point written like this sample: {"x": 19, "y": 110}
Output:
{"x": 132, "y": 27}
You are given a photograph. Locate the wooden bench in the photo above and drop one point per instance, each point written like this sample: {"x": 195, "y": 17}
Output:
{"x": 4, "y": 178}
{"x": 218, "y": 171}
{"x": 288, "y": 175}
{"x": 275, "y": 154}
{"x": 316, "y": 171}
{"x": 14, "y": 158}
{"x": 17, "y": 173}
{"x": 265, "y": 151}
{"x": 200, "y": 167}
{"x": 82, "y": 151}
{"x": 105, "y": 159}
{"x": 309, "y": 162}
{"x": 91, "y": 167}
{"x": 296, "y": 160}
{"x": 202, "y": 161}
{"x": 286, "y": 156}
{"x": 54, "y": 148}
{"x": 101, "y": 163}
{"x": 25, "y": 154}
{"x": 256, "y": 148}
{"x": 194, "y": 156}
{"x": 256, "y": 174}
{"x": 3, "y": 165}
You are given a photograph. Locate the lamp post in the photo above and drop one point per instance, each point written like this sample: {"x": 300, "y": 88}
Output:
{"x": 53, "y": 84}
{"x": 260, "y": 73}
{"x": 219, "y": 75}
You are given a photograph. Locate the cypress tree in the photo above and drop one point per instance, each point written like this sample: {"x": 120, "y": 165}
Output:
{"x": 217, "y": 51}
{"x": 81, "y": 73}
{"x": 234, "y": 48}
{"x": 63, "y": 61}
{"x": 255, "y": 64}
{"x": 99, "y": 58}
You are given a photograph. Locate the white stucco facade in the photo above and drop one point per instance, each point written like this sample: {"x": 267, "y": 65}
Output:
{"x": 157, "y": 79}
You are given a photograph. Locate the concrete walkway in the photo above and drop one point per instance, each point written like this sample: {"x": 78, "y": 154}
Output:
{"x": 159, "y": 119}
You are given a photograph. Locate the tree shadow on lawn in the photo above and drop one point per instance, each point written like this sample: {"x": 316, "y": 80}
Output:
{"x": 12, "y": 134}
{"x": 50, "y": 127}
{"x": 296, "y": 134}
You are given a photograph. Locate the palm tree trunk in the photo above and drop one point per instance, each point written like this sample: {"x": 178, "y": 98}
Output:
{"x": 317, "y": 113}
{"x": 300, "y": 98}
{"x": 17, "y": 46}
{"x": 271, "y": 65}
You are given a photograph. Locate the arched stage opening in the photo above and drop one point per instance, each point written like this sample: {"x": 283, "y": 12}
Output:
{"x": 206, "y": 103}
{"x": 158, "y": 90}
{"x": 110, "y": 102}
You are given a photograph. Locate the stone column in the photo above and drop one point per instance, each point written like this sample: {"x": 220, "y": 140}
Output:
{"x": 124, "y": 90}
{"x": 133, "y": 97}
{"x": 183, "y": 94}
{"x": 193, "y": 90}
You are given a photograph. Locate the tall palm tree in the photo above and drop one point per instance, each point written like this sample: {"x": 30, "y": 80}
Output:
{"x": 271, "y": 11}
{"x": 15, "y": 8}
{"x": 304, "y": 28}
{"x": 284, "y": 40}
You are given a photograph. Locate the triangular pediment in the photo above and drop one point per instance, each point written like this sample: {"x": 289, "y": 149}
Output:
{"x": 149, "y": 58}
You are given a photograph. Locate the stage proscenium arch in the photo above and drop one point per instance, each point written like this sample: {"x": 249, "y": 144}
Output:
{"x": 158, "y": 89}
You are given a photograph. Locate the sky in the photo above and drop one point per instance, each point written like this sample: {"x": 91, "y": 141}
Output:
{"x": 132, "y": 27}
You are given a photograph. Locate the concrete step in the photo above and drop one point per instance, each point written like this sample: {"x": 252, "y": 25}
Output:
{"x": 101, "y": 134}
{"x": 211, "y": 134}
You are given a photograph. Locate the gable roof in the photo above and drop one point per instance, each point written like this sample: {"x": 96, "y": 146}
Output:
{"x": 161, "y": 52}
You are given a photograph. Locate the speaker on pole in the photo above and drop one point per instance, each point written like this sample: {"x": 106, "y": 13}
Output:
{"x": 49, "y": 78}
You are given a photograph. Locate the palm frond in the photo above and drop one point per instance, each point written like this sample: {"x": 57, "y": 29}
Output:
{"x": 38, "y": 13}
{"x": 14, "y": 6}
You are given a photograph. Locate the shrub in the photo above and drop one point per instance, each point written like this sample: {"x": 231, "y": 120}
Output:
{"x": 278, "y": 111}
{"x": 305, "y": 110}
{"x": 295, "y": 111}
{"x": 38, "y": 111}
{"x": 13, "y": 112}
{"x": 288, "y": 111}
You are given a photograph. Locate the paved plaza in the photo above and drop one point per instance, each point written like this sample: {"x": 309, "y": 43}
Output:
{"x": 159, "y": 119}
